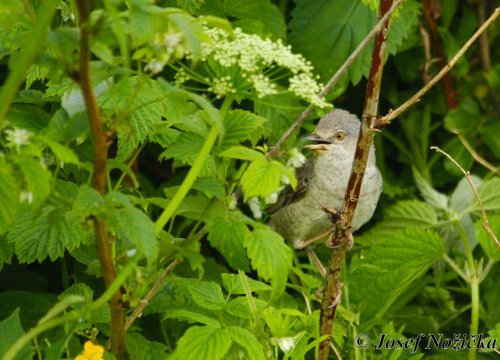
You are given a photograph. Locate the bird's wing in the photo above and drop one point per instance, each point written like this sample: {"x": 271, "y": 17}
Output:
{"x": 304, "y": 174}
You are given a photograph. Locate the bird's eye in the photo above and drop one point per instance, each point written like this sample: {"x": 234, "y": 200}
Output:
{"x": 340, "y": 135}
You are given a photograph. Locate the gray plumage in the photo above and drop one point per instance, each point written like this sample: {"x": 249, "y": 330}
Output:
{"x": 322, "y": 182}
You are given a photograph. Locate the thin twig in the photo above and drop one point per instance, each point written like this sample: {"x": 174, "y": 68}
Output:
{"x": 394, "y": 114}
{"x": 342, "y": 234}
{"x": 151, "y": 293}
{"x": 331, "y": 83}
{"x": 478, "y": 157}
{"x": 486, "y": 224}
{"x": 103, "y": 243}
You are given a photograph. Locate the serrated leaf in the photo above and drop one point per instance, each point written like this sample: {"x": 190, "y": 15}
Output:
{"x": 132, "y": 225}
{"x": 248, "y": 341}
{"x": 390, "y": 266}
{"x": 232, "y": 284}
{"x": 484, "y": 239}
{"x": 210, "y": 187}
{"x": 407, "y": 213}
{"x": 242, "y": 125}
{"x": 239, "y": 307}
{"x": 191, "y": 316}
{"x": 208, "y": 295}
{"x": 261, "y": 178}
{"x": 489, "y": 192}
{"x": 242, "y": 153}
{"x": 10, "y": 331}
{"x": 228, "y": 237}
{"x": 9, "y": 196}
{"x": 203, "y": 342}
{"x": 87, "y": 202}
{"x": 37, "y": 178}
{"x": 138, "y": 103}
{"x": 257, "y": 16}
{"x": 186, "y": 147}
{"x": 430, "y": 195}
{"x": 270, "y": 256}
{"x": 463, "y": 196}
{"x": 48, "y": 233}
{"x": 141, "y": 348}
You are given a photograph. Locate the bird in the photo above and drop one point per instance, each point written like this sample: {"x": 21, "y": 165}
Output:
{"x": 299, "y": 214}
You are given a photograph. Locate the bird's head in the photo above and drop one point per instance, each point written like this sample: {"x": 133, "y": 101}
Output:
{"x": 338, "y": 128}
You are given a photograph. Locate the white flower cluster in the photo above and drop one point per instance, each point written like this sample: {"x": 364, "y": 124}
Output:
{"x": 17, "y": 137}
{"x": 258, "y": 59}
{"x": 222, "y": 86}
{"x": 165, "y": 46}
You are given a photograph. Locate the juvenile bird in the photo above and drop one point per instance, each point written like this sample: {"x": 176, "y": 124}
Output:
{"x": 322, "y": 181}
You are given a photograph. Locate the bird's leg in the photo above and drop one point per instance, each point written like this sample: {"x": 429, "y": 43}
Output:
{"x": 334, "y": 215}
{"x": 313, "y": 258}
{"x": 299, "y": 244}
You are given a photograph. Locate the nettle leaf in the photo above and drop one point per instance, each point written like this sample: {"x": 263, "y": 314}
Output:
{"x": 242, "y": 153}
{"x": 49, "y": 232}
{"x": 407, "y": 213}
{"x": 228, "y": 237}
{"x": 430, "y": 195}
{"x": 263, "y": 177}
{"x": 10, "y": 331}
{"x": 203, "y": 342}
{"x": 36, "y": 177}
{"x": 258, "y": 16}
{"x": 141, "y": 348}
{"x": 232, "y": 284}
{"x": 485, "y": 240}
{"x": 208, "y": 295}
{"x": 242, "y": 125}
{"x": 270, "y": 256}
{"x": 131, "y": 224}
{"x": 489, "y": 192}
{"x": 390, "y": 266}
{"x": 248, "y": 341}
{"x": 338, "y": 28}
{"x": 9, "y": 196}
{"x": 137, "y": 104}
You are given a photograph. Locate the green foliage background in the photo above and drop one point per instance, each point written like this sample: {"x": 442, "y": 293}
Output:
{"x": 188, "y": 179}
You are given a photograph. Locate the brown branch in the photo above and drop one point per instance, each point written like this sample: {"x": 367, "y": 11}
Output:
{"x": 411, "y": 101}
{"x": 340, "y": 240}
{"x": 151, "y": 293}
{"x": 103, "y": 244}
{"x": 335, "y": 78}
{"x": 486, "y": 224}
{"x": 478, "y": 158}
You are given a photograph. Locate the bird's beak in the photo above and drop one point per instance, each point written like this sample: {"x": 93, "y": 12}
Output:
{"x": 320, "y": 146}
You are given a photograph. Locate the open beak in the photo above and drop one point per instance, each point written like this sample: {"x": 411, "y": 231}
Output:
{"x": 320, "y": 146}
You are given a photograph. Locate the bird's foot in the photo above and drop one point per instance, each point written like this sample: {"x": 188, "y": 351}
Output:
{"x": 332, "y": 245}
{"x": 334, "y": 215}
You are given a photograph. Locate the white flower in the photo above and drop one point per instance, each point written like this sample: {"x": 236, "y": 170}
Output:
{"x": 17, "y": 137}
{"x": 254, "y": 205}
{"x": 155, "y": 66}
{"x": 131, "y": 252}
{"x": 26, "y": 196}
{"x": 297, "y": 159}
{"x": 287, "y": 343}
{"x": 271, "y": 199}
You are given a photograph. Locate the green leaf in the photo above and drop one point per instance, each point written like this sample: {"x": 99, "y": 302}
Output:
{"x": 390, "y": 266}
{"x": 489, "y": 135}
{"x": 9, "y": 196}
{"x": 10, "y": 331}
{"x": 270, "y": 256}
{"x": 62, "y": 152}
{"x": 248, "y": 341}
{"x": 489, "y": 192}
{"x": 463, "y": 196}
{"x": 186, "y": 147}
{"x": 141, "y": 348}
{"x": 137, "y": 104}
{"x": 458, "y": 120}
{"x": 37, "y": 178}
{"x": 261, "y": 178}
{"x": 430, "y": 195}
{"x": 240, "y": 308}
{"x": 232, "y": 283}
{"x": 338, "y": 28}
{"x": 87, "y": 202}
{"x": 485, "y": 240}
{"x": 203, "y": 342}
{"x": 210, "y": 187}
{"x": 407, "y": 213}
{"x": 242, "y": 125}
{"x": 191, "y": 316}
{"x": 228, "y": 237}
{"x": 132, "y": 225}
{"x": 48, "y": 233}
{"x": 257, "y": 16}
{"x": 208, "y": 295}
{"x": 457, "y": 151}
{"x": 242, "y": 153}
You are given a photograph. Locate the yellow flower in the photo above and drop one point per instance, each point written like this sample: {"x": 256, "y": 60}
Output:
{"x": 91, "y": 352}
